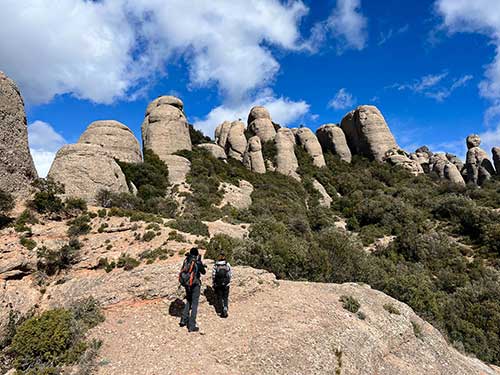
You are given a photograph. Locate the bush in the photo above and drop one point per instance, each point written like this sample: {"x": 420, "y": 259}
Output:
{"x": 190, "y": 225}
{"x": 152, "y": 255}
{"x": 391, "y": 309}
{"x": 127, "y": 262}
{"x": 222, "y": 244}
{"x": 6, "y": 202}
{"x": 106, "y": 265}
{"x": 79, "y": 226}
{"x": 52, "y": 261}
{"x": 350, "y": 303}
{"x": 21, "y": 223}
{"x": 148, "y": 236}
{"x": 75, "y": 204}
{"x": 46, "y": 199}
{"x": 197, "y": 137}
{"x": 27, "y": 243}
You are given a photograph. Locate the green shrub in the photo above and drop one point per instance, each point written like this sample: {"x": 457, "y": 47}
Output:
{"x": 27, "y": 243}
{"x": 417, "y": 329}
{"x": 391, "y": 309}
{"x": 6, "y": 202}
{"x": 190, "y": 225}
{"x": 350, "y": 303}
{"x": 87, "y": 312}
{"x": 79, "y": 226}
{"x": 176, "y": 236}
{"x": 127, "y": 262}
{"x": 152, "y": 255}
{"x": 26, "y": 217}
{"x": 46, "y": 199}
{"x": 148, "y": 236}
{"x": 197, "y": 137}
{"x": 52, "y": 261}
{"x": 222, "y": 244}
{"x": 75, "y": 204}
{"x": 102, "y": 213}
{"x": 106, "y": 265}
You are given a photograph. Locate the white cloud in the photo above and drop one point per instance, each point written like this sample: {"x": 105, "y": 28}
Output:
{"x": 106, "y": 50}
{"x": 490, "y": 138}
{"x": 433, "y": 85}
{"x": 385, "y": 37}
{"x": 349, "y": 25}
{"x": 283, "y": 111}
{"x": 44, "y": 143}
{"x": 342, "y": 100}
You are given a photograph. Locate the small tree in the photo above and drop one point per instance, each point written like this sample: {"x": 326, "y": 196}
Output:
{"x": 46, "y": 200}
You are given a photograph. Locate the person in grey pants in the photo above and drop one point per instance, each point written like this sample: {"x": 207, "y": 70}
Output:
{"x": 193, "y": 292}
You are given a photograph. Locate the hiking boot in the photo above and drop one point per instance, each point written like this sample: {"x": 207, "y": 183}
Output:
{"x": 224, "y": 313}
{"x": 182, "y": 324}
{"x": 194, "y": 329}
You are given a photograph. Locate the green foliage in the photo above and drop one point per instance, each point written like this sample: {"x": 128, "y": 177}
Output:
{"x": 127, "y": 202}
{"x": 127, "y": 262}
{"x": 391, "y": 309}
{"x": 269, "y": 151}
{"x": 21, "y": 223}
{"x": 222, "y": 244}
{"x": 105, "y": 264}
{"x": 159, "y": 253}
{"x": 6, "y": 202}
{"x": 46, "y": 199}
{"x": 75, "y": 204}
{"x": 350, "y": 303}
{"x": 87, "y": 313}
{"x": 102, "y": 213}
{"x": 52, "y": 261}
{"x": 417, "y": 329}
{"x": 190, "y": 225}
{"x": 28, "y": 243}
{"x": 79, "y": 226}
{"x": 176, "y": 236}
{"x": 197, "y": 137}
{"x": 148, "y": 236}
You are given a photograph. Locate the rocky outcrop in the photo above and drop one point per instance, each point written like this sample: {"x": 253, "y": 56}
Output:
{"x": 325, "y": 200}
{"x": 422, "y": 156}
{"x": 178, "y": 168}
{"x": 477, "y": 164}
{"x": 455, "y": 160}
{"x": 367, "y": 133}
{"x": 260, "y": 124}
{"x": 439, "y": 164}
{"x": 216, "y": 150}
{"x": 402, "y": 159}
{"x": 17, "y": 170}
{"x": 332, "y": 139}
{"x": 496, "y": 158}
{"x": 286, "y": 161}
{"x": 85, "y": 170}
{"x": 239, "y": 196}
{"x": 253, "y": 158}
{"x": 221, "y": 133}
{"x": 165, "y": 129}
{"x": 236, "y": 143}
{"x": 307, "y": 139}
{"x": 115, "y": 138}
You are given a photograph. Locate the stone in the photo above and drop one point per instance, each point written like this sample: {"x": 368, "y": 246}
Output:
{"x": 439, "y": 164}
{"x": 286, "y": 161}
{"x": 306, "y": 138}
{"x": 114, "y": 137}
{"x": 402, "y": 159}
{"x": 452, "y": 174}
{"x": 473, "y": 140}
{"x": 325, "y": 200}
{"x": 332, "y": 139}
{"x": 165, "y": 100}
{"x": 367, "y": 133}
{"x": 17, "y": 170}
{"x": 455, "y": 160}
{"x": 221, "y": 133}
{"x": 216, "y": 150}
{"x": 496, "y": 158}
{"x": 165, "y": 129}
{"x": 422, "y": 156}
{"x": 253, "y": 158}
{"x": 260, "y": 124}
{"x": 85, "y": 170}
{"x": 178, "y": 168}
{"x": 239, "y": 197}
{"x": 236, "y": 141}
{"x": 478, "y": 167}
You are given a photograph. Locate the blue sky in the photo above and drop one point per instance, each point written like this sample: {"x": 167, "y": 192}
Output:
{"x": 431, "y": 66}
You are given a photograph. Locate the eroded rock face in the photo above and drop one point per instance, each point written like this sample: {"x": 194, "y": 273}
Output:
{"x": 455, "y": 160}
{"x": 115, "y": 138}
{"x": 216, "y": 150}
{"x": 253, "y": 158}
{"x": 239, "y": 196}
{"x": 307, "y": 139}
{"x": 332, "y": 138}
{"x": 236, "y": 141}
{"x": 17, "y": 170}
{"x": 260, "y": 124}
{"x": 286, "y": 161}
{"x": 496, "y": 158}
{"x": 367, "y": 133}
{"x": 178, "y": 168}
{"x": 85, "y": 170}
{"x": 165, "y": 129}
{"x": 221, "y": 133}
{"x": 402, "y": 159}
{"x": 477, "y": 164}
{"x": 445, "y": 169}
{"x": 325, "y": 200}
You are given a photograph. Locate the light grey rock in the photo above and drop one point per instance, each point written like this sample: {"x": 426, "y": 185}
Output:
{"x": 325, "y": 200}
{"x": 17, "y": 170}
{"x": 332, "y": 138}
{"x": 258, "y": 112}
{"x": 260, "y": 124}
{"x": 478, "y": 166}
{"x": 445, "y": 169}
{"x": 216, "y": 150}
{"x": 306, "y": 138}
{"x": 239, "y": 196}
{"x": 367, "y": 133}
{"x": 115, "y": 138}
{"x": 85, "y": 170}
{"x": 165, "y": 100}
{"x": 473, "y": 140}
{"x": 253, "y": 158}
{"x": 286, "y": 161}
{"x": 221, "y": 133}
{"x": 236, "y": 141}
{"x": 178, "y": 168}
{"x": 496, "y": 158}
{"x": 455, "y": 160}
{"x": 402, "y": 159}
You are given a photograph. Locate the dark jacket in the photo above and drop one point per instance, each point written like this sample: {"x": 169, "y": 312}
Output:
{"x": 201, "y": 268}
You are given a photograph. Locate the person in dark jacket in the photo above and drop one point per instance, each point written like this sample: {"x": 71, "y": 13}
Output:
{"x": 192, "y": 291}
{"x": 221, "y": 278}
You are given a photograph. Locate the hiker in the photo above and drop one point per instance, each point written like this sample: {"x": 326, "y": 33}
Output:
{"x": 190, "y": 279}
{"x": 221, "y": 278}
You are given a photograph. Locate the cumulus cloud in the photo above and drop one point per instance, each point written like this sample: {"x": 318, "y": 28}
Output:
{"x": 44, "y": 143}
{"x": 342, "y": 100}
{"x": 283, "y": 111}
{"x": 348, "y": 25}
{"x": 106, "y": 50}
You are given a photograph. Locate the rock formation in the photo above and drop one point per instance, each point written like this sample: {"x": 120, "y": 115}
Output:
{"x": 402, "y": 159}
{"x": 286, "y": 161}
{"x": 216, "y": 150}
{"x": 478, "y": 166}
{"x": 221, "y": 133}
{"x": 165, "y": 129}
{"x": 325, "y": 199}
{"x": 367, "y": 133}
{"x": 239, "y": 196}
{"x": 496, "y": 158}
{"x": 236, "y": 143}
{"x": 115, "y": 138}
{"x": 422, "y": 156}
{"x": 253, "y": 158}
{"x": 86, "y": 169}
{"x": 445, "y": 169}
{"x": 455, "y": 160}
{"x": 306, "y": 138}
{"x": 178, "y": 168}
{"x": 332, "y": 138}
{"x": 260, "y": 124}
{"x": 17, "y": 169}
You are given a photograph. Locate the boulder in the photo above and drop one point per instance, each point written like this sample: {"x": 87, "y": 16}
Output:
{"x": 496, "y": 158}
{"x": 422, "y": 156}
{"x": 325, "y": 200}
{"x": 260, "y": 124}
{"x": 178, "y": 168}
{"x": 253, "y": 158}
{"x": 221, "y": 133}
{"x": 478, "y": 166}
{"x": 367, "y": 133}
{"x": 452, "y": 174}
{"x": 445, "y": 169}
{"x": 86, "y": 169}
{"x": 115, "y": 138}
{"x": 239, "y": 196}
{"x": 165, "y": 129}
{"x": 165, "y": 100}
{"x": 455, "y": 160}
{"x": 307, "y": 139}
{"x": 216, "y": 150}
{"x": 332, "y": 138}
{"x": 236, "y": 141}
{"x": 17, "y": 170}
{"x": 286, "y": 161}
{"x": 402, "y": 159}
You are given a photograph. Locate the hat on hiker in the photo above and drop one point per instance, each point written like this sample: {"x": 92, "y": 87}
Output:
{"x": 194, "y": 251}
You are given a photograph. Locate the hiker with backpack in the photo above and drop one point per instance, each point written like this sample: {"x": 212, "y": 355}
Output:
{"x": 221, "y": 278}
{"x": 190, "y": 279}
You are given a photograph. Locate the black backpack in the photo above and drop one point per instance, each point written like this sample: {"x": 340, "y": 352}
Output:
{"x": 222, "y": 275}
{"x": 187, "y": 276}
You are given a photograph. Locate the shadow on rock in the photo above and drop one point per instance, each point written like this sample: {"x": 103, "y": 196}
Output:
{"x": 176, "y": 307}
